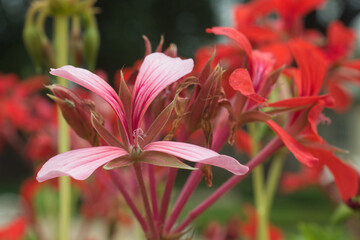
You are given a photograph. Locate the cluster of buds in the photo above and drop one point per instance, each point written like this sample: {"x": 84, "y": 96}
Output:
{"x": 84, "y": 36}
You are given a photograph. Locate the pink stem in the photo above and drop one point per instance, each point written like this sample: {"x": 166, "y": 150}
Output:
{"x": 149, "y": 215}
{"x": 153, "y": 195}
{"x": 167, "y": 193}
{"x": 194, "y": 179}
{"x": 120, "y": 185}
{"x": 190, "y": 186}
{"x": 270, "y": 148}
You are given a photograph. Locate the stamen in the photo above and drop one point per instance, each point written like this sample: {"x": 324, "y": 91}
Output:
{"x": 138, "y": 135}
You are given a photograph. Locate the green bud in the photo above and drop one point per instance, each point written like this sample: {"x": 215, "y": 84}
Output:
{"x": 33, "y": 44}
{"x": 91, "y": 39}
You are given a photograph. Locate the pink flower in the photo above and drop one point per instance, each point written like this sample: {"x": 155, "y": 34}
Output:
{"x": 156, "y": 73}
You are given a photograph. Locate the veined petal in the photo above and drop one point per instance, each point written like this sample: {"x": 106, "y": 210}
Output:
{"x": 156, "y": 73}
{"x": 195, "y": 153}
{"x": 299, "y": 151}
{"x": 95, "y": 84}
{"x": 80, "y": 163}
{"x": 312, "y": 66}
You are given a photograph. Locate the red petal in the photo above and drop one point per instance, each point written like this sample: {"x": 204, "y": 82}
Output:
{"x": 301, "y": 101}
{"x": 346, "y": 178}
{"x": 15, "y": 230}
{"x": 299, "y": 151}
{"x": 237, "y": 37}
{"x": 280, "y": 51}
{"x": 240, "y": 80}
{"x": 341, "y": 96}
{"x": 243, "y": 141}
{"x": 312, "y": 65}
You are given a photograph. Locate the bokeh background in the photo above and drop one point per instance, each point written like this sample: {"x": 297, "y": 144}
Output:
{"x": 183, "y": 22}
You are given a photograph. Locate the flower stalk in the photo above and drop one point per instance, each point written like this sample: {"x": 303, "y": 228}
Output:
{"x": 61, "y": 49}
{"x": 259, "y": 190}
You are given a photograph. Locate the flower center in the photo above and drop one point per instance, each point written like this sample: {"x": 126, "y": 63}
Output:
{"x": 135, "y": 149}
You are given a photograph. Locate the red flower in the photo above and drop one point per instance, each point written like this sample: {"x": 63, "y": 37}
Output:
{"x": 249, "y": 228}
{"x": 303, "y": 124}
{"x": 14, "y": 230}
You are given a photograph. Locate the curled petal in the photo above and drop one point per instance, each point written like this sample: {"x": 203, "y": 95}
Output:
{"x": 239, "y": 38}
{"x": 156, "y": 73}
{"x": 299, "y": 151}
{"x": 95, "y": 84}
{"x": 240, "y": 80}
{"x": 195, "y": 153}
{"x": 80, "y": 163}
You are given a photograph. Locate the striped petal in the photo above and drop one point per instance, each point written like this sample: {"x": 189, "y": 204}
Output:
{"x": 156, "y": 73}
{"x": 195, "y": 153}
{"x": 95, "y": 84}
{"x": 80, "y": 163}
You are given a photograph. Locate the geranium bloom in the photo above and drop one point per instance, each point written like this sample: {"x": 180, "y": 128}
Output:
{"x": 156, "y": 73}
{"x": 303, "y": 123}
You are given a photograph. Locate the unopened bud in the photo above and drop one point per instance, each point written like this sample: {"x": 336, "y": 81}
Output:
{"x": 76, "y": 44}
{"x": 91, "y": 39}
{"x": 33, "y": 45}
{"x": 77, "y": 112}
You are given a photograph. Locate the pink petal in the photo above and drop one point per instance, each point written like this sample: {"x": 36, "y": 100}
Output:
{"x": 195, "y": 153}
{"x": 156, "y": 73}
{"x": 95, "y": 84}
{"x": 80, "y": 163}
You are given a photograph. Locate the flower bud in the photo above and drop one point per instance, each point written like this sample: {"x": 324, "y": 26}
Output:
{"x": 91, "y": 39}
{"x": 77, "y": 112}
{"x": 32, "y": 40}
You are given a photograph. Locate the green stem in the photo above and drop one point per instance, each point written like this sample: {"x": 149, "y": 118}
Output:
{"x": 273, "y": 179}
{"x": 62, "y": 52}
{"x": 259, "y": 190}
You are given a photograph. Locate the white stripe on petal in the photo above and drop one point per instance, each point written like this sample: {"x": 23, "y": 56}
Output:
{"x": 80, "y": 163}
{"x": 95, "y": 84}
{"x": 156, "y": 73}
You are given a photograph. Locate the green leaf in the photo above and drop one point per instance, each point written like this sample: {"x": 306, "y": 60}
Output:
{"x": 312, "y": 231}
{"x": 342, "y": 213}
